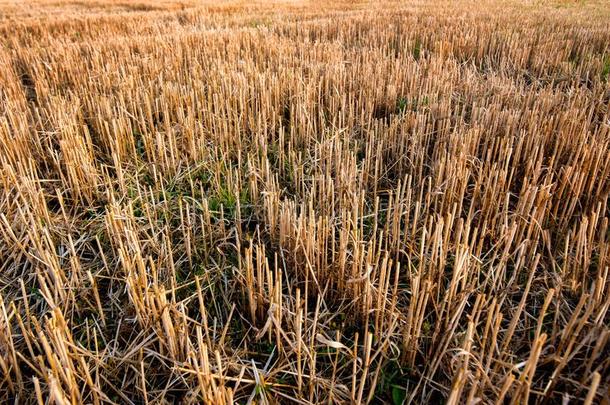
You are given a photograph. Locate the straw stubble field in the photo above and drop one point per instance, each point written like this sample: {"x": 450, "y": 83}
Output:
{"x": 309, "y": 202}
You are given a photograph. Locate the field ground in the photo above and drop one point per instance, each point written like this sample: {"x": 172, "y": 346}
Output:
{"x": 304, "y": 202}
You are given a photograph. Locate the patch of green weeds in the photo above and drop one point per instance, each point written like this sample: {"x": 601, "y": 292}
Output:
{"x": 139, "y": 143}
{"x": 404, "y": 104}
{"x": 417, "y": 49}
{"x": 391, "y": 383}
{"x": 427, "y": 328}
{"x": 605, "y": 74}
{"x": 401, "y": 105}
{"x": 227, "y": 201}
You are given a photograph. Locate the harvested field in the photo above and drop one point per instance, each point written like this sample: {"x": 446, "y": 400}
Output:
{"x": 304, "y": 202}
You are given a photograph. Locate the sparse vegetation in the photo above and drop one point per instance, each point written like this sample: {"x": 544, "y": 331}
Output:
{"x": 289, "y": 202}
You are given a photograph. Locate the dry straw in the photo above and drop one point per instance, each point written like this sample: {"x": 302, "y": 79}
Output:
{"x": 295, "y": 202}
